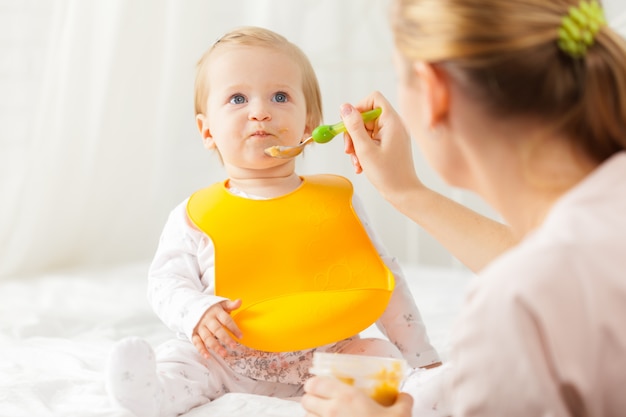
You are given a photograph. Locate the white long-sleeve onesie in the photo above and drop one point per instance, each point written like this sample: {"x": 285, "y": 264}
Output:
{"x": 181, "y": 288}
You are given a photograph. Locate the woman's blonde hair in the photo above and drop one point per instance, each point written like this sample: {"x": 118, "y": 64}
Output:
{"x": 257, "y": 36}
{"x": 505, "y": 54}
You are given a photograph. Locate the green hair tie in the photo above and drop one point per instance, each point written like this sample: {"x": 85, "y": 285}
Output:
{"x": 578, "y": 29}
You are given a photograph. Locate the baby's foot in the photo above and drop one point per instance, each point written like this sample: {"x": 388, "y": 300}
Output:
{"x": 131, "y": 377}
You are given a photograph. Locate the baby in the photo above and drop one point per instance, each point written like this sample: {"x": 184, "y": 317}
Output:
{"x": 217, "y": 256}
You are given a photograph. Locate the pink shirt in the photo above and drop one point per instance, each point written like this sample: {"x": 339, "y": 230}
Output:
{"x": 543, "y": 329}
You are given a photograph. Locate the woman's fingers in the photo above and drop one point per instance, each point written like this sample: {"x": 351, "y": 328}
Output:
{"x": 329, "y": 397}
{"x": 323, "y": 387}
{"x": 404, "y": 402}
{"x": 349, "y": 149}
{"x": 355, "y": 127}
{"x": 319, "y": 392}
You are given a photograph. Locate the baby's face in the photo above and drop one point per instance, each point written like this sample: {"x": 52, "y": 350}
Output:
{"x": 255, "y": 101}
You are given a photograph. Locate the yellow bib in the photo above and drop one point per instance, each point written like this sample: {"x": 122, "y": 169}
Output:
{"x": 302, "y": 264}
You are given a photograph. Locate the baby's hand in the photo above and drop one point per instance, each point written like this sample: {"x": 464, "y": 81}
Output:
{"x": 210, "y": 333}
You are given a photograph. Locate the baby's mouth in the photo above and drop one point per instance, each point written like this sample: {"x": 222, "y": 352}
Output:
{"x": 261, "y": 134}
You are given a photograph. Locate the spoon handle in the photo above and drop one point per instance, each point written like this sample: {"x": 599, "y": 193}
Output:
{"x": 328, "y": 132}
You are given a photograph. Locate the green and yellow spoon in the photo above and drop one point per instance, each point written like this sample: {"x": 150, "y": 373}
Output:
{"x": 321, "y": 134}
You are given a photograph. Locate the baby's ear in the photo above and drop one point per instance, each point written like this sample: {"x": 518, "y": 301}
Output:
{"x": 205, "y": 132}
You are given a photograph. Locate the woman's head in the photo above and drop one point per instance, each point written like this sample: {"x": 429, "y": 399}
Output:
{"x": 505, "y": 56}
{"x": 260, "y": 37}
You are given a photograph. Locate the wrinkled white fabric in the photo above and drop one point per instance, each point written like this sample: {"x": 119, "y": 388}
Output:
{"x": 53, "y": 352}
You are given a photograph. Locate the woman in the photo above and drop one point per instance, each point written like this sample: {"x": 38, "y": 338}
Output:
{"x": 524, "y": 103}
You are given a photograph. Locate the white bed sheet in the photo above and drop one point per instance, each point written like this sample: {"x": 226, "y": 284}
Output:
{"x": 56, "y": 330}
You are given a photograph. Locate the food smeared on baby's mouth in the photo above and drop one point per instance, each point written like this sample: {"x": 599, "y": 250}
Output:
{"x": 272, "y": 150}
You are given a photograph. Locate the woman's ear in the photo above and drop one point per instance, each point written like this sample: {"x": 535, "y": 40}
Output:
{"x": 203, "y": 127}
{"x": 436, "y": 90}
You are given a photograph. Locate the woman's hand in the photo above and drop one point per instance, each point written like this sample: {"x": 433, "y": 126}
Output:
{"x": 212, "y": 329}
{"x": 381, "y": 149}
{"x": 329, "y": 397}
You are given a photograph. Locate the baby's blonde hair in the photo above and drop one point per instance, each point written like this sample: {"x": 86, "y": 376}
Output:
{"x": 261, "y": 37}
{"x": 505, "y": 54}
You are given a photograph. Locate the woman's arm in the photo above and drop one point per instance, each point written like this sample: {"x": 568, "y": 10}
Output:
{"x": 382, "y": 150}
{"x": 471, "y": 237}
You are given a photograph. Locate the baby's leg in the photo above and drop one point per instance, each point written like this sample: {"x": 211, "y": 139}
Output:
{"x": 368, "y": 346}
{"x": 177, "y": 381}
{"x": 185, "y": 378}
{"x": 188, "y": 385}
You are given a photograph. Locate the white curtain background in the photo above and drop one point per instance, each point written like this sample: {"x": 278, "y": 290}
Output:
{"x": 97, "y": 133}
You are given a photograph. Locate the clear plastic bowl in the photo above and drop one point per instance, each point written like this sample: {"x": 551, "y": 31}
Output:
{"x": 378, "y": 377}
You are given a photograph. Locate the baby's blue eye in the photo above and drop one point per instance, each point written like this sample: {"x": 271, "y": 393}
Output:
{"x": 280, "y": 98}
{"x": 237, "y": 99}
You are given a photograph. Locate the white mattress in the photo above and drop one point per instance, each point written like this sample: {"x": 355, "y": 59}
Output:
{"x": 56, "y": 330}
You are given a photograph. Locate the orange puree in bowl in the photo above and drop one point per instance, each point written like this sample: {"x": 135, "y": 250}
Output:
{"x": 385, "y": 391}
{"x": 377, "y": 377}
